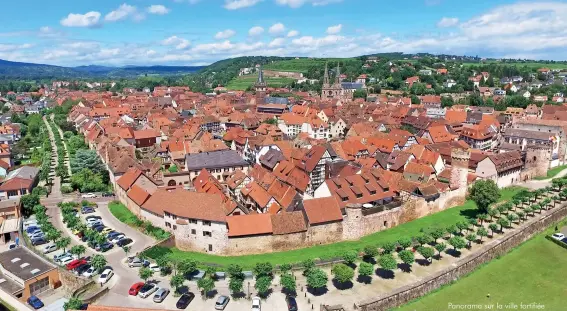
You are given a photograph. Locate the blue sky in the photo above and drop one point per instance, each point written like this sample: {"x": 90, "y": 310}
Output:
{"x": 196, "y": 32}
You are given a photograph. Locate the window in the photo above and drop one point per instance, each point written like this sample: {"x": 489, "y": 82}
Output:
{"x": 193, "y": 231}
{"x": 207, "y": 233}
{"x": 210, "y": 247}
{"x": 174, "y": 227}
{"x": 206, "y": 223}
{"x": 193, "y": 221}
{"x": 167, "y": 225}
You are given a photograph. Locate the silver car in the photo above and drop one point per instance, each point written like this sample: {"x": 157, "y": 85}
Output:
{"x": 160, "y": 295}
{"x": 221, "y": 302}
{"x": 136, "y": 262}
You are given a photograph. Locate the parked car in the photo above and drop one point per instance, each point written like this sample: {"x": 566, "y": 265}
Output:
{"x": 185, "y": 300}
{"x": 106, "y": 230}
{"x": 35, "y": 302}
{"x": 75, "y": 263}
{"x": 160, "y": 294}
{"x": 135, "y": 288}
{"x": 291, "y": 303}
{"x": 558, "y": 236}
{"x": 38, "y": 241}
{"x": 32, "y": 229}
{"x": 65, "y": 260}
{"x": 82, "y": 269}
{"x": 89, "y": 272}
{"x": 88, "y": 196}
{"x": 57, "y": 258}
{"x": 94, "y": 223}
{"x": 50, "y": 248}
{"x": 107, "y": 194}
{"x": 154, "y": 267}
{"x": 256, "y": 304}
{"x": 36, "y": 234}
{"x": 105, "y": 276}
{"x": 135, "y": 262}
{"x": 98, "y": 228}
{"x": 87, "y": 210}
{"x": 92, "y": 217}
{"x": 147, "y": 289}
{"x": 112, "y": 234}
{"x": 104, "y": 247}
{"x": 117, "y": 238}
{"x": 124, "y": 242}
{"x": 221, "y": 303}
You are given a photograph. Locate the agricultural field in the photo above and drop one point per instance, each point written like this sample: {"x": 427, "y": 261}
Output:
{"x": 243, "y": 82}
{"x": 531, "y": 65}
{"x": 303, "y": 64}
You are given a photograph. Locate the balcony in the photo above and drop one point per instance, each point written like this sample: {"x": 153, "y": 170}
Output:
{"x": 378, "y": 208}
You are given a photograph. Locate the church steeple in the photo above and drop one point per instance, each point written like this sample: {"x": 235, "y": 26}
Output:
{"x": 260, "y": 76}
{"x": 338, "y": 77}
{"x": 326, "y": 77}
{"x": 260, "y": 85}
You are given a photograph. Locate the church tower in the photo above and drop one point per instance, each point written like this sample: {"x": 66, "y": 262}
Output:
{"x": 335, "y": 90}
{"x": 260, "y": 86}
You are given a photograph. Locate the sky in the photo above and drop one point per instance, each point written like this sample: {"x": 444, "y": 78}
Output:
{"x": 199, "y": 32}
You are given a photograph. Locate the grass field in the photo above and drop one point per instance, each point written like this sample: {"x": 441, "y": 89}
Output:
{"x": 552, "y": 172}
{"x": 243, "y": 82}
{"x": 534, "y": 272}
{"x": 122, "y": 213}
{"x": 410, "y": 229}
{"x": 532, "y": 65}
{"x": 303, "y": 64}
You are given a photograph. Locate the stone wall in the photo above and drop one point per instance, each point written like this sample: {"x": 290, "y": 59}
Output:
{"x": 464, "y": 266}
{"x": 72, "y": 283}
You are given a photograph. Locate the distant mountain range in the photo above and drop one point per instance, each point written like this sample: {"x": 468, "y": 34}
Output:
{"x": 18, "y": 70}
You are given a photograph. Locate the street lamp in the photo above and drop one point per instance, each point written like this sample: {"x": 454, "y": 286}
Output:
{"x": 248, "y": 289}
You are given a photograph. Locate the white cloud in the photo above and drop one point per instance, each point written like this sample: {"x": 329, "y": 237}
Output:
{"x": 255, "y": 31}
{"x": 14, "y": 47}
{"x": 333, "y": 30}
{"x": 299, "y": 3}
{"x": 177, "y": 42}
{"x": 124, "y": 11}
{"x": 277, "y": 29}
{"x": 277, "y": 42}
{"x": 448, "y": 22}
{"x": 309, "y": 41}
{"x": 292, "y": 33}
{"x": 225, "y": 34}
{"x": 89, "y": 19}
{"x": 157, "y": 9}
{"x": 239, "y": 4}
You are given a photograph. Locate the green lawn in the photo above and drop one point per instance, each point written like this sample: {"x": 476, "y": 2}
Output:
{"x": 122, "y": 213}
{"x": 552, "y": 172}
{"x": 409, "y": 229}
{"x": 303, "y": 64}
{"x": 243, "y": 82}
{"x": 533, "y": 272}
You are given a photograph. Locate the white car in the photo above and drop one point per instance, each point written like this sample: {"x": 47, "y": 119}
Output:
{"x": 65, "y": 260}
{"x": 94, "y": 223}
{"x": 154, "y": 268}
{"x": 117, "y": 238}
{"x": 50, "y": 248}
{"x": 558, "y": 236}
{"x": 88, "y": 196}
{"x": 256, "y": 304}
{"x": 90, "y": 271}
{"x": 147, "y": 290}
{"x": 105, "y": 276}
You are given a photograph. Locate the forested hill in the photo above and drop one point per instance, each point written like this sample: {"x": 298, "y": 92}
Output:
{"x": 18, "y": 70}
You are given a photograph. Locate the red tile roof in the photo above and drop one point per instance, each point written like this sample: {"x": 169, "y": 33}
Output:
{"x": 138, "y": 195}
{"x": 129, "y": 178}
{"x": 245, "y": 225}
{"x": 322, "y": 210}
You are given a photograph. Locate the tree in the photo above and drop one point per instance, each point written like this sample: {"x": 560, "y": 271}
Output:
{"x": 78, "y": 250}
{"x": 53, "y": 234}
{"x": 457, "y": 243}
{"x": 73, "y": 304}
{"x": 28, "y": 201}
{"x": 287, "y": 281}
{"x": 98, "y": 262}
{"x": 440, "y": 247}
{"x": 187, "y": 266}
{"x": 462, "y": 225}
{"x": 388, "y": 247}
{"x": 206, "y": 285}
{"x": 63, "y": 243}
{"x": 512, "y": 217}
{"x": 342, "y": 273}
{"x": 308, "y": 265}
{"x": 88, "y": 159}
{"x": 370, "y": 252}
{"x": 263, "y": 269}
{"x": 492, "y": 213}
{"x": 521, "y": 215}
{"x": 145, "y": 273}
{"x": 407, "y": 257}
{"x": 317, "y": 279}
{"x": 284, "y": 268}
{"x": 176, "y": 281}
{"x": 426, "y": 252}
{"x": 387, "y": 262}
{"x": 437, "y": 233}
{"x": 493, "y": 227}
{"x": 482, "y": 232}
{"x": 503, "y": 222}
{"x": 365, "y": 269}
{"x": 424, "y": 239}
{"x": 349, "y": 257}
{"x": 404, "y": 243}
{"x": 484, "y": 193}
{"x": 235, "y": 285}
{"x": 471, "y": 238}
{"x": 453, "y": 230}
{"x": 482, "y": 217}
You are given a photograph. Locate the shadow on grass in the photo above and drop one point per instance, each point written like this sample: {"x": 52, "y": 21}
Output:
{"x": 342, "y": 285}
{"x": 317, "y": 291}
{"x": 469, "y": 213}
{"x": 385, "y": 274}
{"x": 364, "y": 279}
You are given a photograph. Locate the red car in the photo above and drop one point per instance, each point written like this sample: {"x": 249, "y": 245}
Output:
{"x": 76, "y": 263}
{"x": 135, "y": 288}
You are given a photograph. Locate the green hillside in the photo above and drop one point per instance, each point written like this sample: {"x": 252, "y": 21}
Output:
{"x": 303, "y": 64}
{"x": 243, "y": 82}
{"x": 530, "y": 65}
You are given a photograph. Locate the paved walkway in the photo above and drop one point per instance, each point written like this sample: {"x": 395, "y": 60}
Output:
{"x": 538, "y": 184}
{"x": 65, "y": 161}
{"x": 56, "y": 187}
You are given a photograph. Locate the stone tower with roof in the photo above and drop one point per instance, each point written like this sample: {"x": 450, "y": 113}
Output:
{"x": 335, "y": 90}
{"x": 260, "y": 86}
{"x": 460, "y": 168}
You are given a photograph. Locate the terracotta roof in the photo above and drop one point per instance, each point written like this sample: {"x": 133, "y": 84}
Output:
{"x": 138, "y": 195}
{"x": 322, "y": 210}
{"x": 144, "y": 134}
{"x": 129, "y": 178}
{"x": 440, "y": 134}
{"x": 188, "y": 204}
{"x": 289, "y": 173}
{"x": 258, "y": 194}
{"x": 286, "y": 223}
{"x": 246, "y": 225}
{"x": 507, "y": 161}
